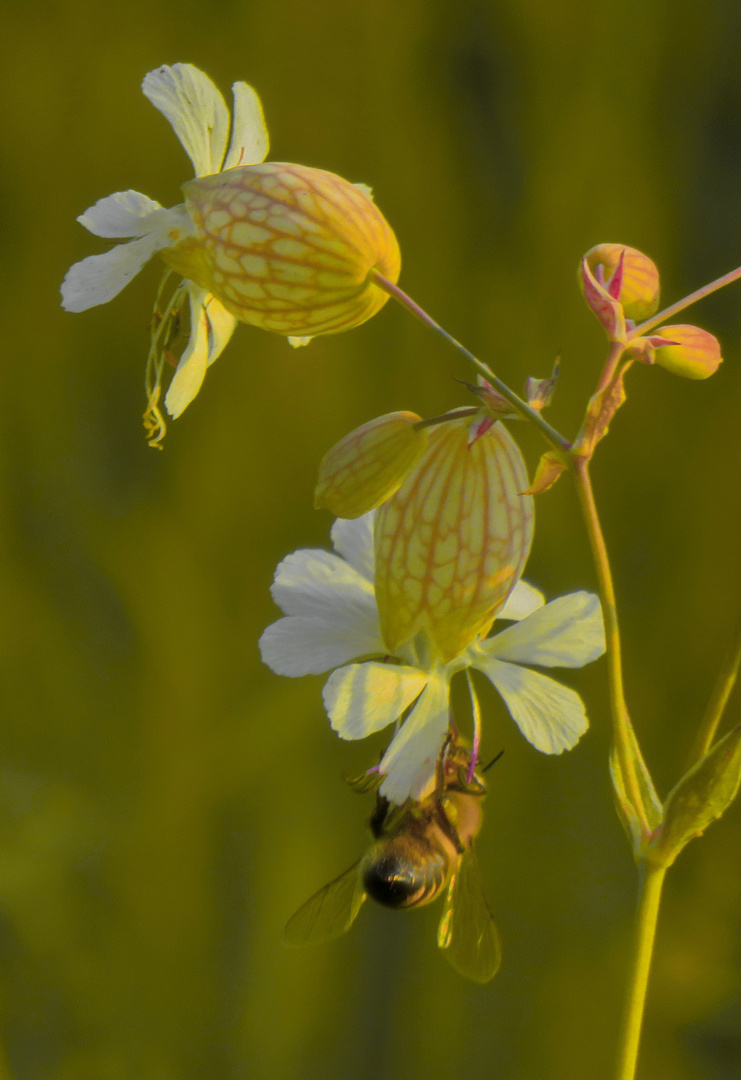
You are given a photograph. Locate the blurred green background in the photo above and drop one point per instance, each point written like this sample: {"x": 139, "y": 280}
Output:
{"x": 165, "y": 801}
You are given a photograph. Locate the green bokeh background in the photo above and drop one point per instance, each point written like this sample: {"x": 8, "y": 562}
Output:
{"x": 165, "y": 801}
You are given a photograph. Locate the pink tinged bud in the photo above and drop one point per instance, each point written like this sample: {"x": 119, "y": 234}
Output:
{"x": 287, "y": 248}
{"x": 695, "y": 353}
{"x": 629, "y": 277}
{"x": 370, "y": 464}
{"x": 453, "y": 540}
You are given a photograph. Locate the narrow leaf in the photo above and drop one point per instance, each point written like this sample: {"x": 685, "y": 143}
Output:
{"x": 601, "y": 408}
{"x": 549, "y": 469}
{"x": 701, "y": 796}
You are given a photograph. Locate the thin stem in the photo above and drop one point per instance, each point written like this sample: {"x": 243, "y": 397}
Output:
{"x": 613, "y": 359}
{"x": 719, "y": 698}
{"x": 551, "y": 436}
{"x": 619, "y": 709}
{"x": 680, "y": 305}
{"x": 643, "y": 945}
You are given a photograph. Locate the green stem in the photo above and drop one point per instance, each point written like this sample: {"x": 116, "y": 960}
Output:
{"x": 551, "y": 436}
{"x": 718, "y": 699}
{"x": 680, "y": 305}
{"x": 643, "y": 944}
{"x": 618, "y": 707}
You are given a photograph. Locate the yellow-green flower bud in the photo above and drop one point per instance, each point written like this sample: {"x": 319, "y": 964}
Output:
{"x": 287, "y": 248}
{"x": 366, "y": 467}
{"x": 453, "y": 541}
{"x": 696, "y": 354}
{"x": 636, "y": 284}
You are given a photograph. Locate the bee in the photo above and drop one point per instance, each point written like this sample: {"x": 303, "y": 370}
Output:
{"x": 418, "y": 850}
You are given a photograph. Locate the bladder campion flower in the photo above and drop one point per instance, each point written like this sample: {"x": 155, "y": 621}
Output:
{"x": 455, "y": 522}
{"x": 455, "y": 537}
{"x": 332, "y": 624}
{"x": 284, "y": 247}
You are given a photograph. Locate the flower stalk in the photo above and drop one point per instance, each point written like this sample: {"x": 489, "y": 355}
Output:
{"x": 652, "y": 880}
{"x": 685, "y": 302}
{"x": 554, "y": 439}
{"x": 621, "y": 723}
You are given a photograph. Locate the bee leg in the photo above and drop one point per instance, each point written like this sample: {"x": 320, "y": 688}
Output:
{"x": 447, "y": 826}
{"x": 476, "y": 711}
{"x": 378, "y": 817}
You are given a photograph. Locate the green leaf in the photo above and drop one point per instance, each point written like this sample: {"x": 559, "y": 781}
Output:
{"x": 640, "y": 822}
{"x": 701, "y": 796}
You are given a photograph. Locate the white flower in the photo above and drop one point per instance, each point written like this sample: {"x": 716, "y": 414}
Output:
{"x": 200, "y": 118}
{"x": 332, "y": 623}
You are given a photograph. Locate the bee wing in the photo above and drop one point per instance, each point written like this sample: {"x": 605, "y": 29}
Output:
{"x": 329, "y": 913}
{"x": 467, "y": 930}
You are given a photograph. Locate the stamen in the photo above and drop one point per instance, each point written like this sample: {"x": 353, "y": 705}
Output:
{"x": 165, "y": 327}
{"x": 155, "y": 426}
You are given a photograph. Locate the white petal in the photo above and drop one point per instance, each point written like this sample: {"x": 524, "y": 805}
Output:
{"x": 354, "y": 541}
{"x": 304, "y": 645}
{"x": 120, "y": 215}
{"x": 211, "y": 326}
{"x": 99, "y": 278}
{"x": 363, "y": 698}
{"x": 299, "y": 342}
{"x": 249, "y": 142}
{"x": 339, "y": 603}
{"x": 312, "y": 581}
{"x": 332, "y": 615}
{"x": 196, "y": 110}
{"x": 550, "y": 716}
{"x": 221, "y": 326}
{"x": 409, "y": 763}
{"x": 191, "y": 370}
{"x": 568, "y": 632}
{"x": 521, "y": 602}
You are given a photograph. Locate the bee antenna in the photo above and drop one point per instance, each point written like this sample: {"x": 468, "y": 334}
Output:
{"x": 492, "y": 762}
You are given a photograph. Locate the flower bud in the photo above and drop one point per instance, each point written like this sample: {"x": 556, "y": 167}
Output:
{"x": 453, "y": 541}
{"x": 695, "y": 354}
{"x": 287, "y": 248}
{"x": 629, "y": 276}
{"x": 366, "y": 467}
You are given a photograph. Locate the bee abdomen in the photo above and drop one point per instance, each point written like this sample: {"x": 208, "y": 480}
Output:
{"x": 396, "y": 882}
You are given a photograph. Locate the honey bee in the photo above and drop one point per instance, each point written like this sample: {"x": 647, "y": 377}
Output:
{"x": 419, "y": 848}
